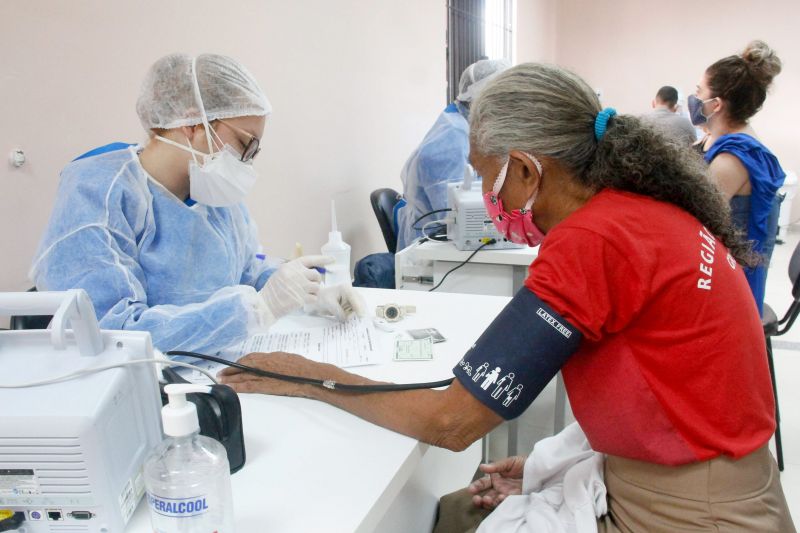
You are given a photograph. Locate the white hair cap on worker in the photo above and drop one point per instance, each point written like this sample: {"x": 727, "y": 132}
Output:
{"x": 477, "y": 75}
{"x": 169, "y": 94}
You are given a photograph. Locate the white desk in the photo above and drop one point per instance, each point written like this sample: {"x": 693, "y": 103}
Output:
{"x": 314, "y": 468}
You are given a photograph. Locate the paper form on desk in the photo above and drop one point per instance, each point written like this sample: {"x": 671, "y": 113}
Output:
{"x": 343, "y": 344}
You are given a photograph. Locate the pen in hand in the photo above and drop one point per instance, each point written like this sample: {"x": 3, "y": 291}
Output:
{"x": 321, "y": 270}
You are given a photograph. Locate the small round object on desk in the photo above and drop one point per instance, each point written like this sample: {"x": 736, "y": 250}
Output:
{"x": 394, "y": 312}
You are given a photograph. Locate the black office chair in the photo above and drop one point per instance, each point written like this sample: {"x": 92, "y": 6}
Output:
{"x": 774, "y": 328}
{"x": 383, "y": 202}
{"x": 30, "y": 321}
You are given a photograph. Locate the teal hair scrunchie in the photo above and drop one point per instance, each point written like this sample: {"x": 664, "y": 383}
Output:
{"x": 601, "y": 122}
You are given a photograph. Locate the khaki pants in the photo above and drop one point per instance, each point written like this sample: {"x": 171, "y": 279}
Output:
{"x": 716, "y": 495}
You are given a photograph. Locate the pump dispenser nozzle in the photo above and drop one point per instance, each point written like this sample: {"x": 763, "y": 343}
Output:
{"x": 179, "y": 416}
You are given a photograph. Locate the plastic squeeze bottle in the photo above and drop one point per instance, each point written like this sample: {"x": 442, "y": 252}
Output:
{"x": 339, "y": 271}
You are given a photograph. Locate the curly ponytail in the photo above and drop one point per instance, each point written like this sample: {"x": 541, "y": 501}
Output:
{"x": 632, "y": 157}
{"x": 550, "y": 112}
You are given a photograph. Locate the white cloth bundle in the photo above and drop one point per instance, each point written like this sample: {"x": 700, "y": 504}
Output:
{"x": 562, "y": 489}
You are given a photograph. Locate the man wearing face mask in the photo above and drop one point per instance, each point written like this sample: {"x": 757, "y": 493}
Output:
{"x": 158, "y": 234}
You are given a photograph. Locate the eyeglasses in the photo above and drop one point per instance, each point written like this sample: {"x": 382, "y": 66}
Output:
{"x": 251, "y": 148}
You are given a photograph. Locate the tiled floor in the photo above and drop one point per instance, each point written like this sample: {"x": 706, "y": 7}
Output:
{"x": 537, "y": 422}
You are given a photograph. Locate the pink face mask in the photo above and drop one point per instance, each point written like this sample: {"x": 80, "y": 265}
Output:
{"x": 517, "y": 226}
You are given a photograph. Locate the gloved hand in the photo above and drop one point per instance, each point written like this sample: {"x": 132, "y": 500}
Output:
{"x": 294, "y": 284}
{"x": 341, "y": 301}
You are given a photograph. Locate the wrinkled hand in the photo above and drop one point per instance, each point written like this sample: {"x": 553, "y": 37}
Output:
{"x": 503, "y": 478}
{"x": 278, "y": 362}
{"x": 341, "y": 301}
{"x": 294, "y": 284}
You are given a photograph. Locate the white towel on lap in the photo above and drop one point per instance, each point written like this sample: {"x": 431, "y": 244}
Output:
{"x": 563, "y": 489}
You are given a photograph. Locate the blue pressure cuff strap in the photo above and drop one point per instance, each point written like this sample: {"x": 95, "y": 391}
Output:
{"x": 517, "y": 355}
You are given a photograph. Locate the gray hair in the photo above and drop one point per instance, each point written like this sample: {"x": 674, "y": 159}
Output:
{"x": 541, "y": 109}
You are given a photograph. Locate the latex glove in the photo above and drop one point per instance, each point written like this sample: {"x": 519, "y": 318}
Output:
{"x": 503, "y": 478}
{"x": 341, "y": 301}
{"x": 294, "y": 284}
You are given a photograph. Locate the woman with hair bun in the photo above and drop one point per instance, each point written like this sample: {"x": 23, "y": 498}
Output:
{"x": 730, "y": 92}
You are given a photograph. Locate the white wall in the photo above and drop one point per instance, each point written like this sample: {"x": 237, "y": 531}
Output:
{"x": 354, "y": 86}
{"x": 630, "y": 48}
{"x": 536, "y": 31}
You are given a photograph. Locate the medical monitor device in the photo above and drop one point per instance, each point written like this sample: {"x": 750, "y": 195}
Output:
{"x": 71, "y": 452}
{"x": 468, "y": 224}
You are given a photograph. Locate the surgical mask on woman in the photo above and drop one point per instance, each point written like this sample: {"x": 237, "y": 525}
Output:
{"x": 218, "y": 179}
{"x": 696, "y": 110}
{"x": 517, "y": 226}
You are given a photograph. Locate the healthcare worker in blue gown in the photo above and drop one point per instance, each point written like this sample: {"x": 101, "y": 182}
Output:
{"x": 730, "y": 92}
{"x": 158, "y": 234}
{"x": 442, "y": 156}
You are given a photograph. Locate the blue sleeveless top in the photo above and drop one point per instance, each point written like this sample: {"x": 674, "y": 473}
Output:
{"x": 756, "y": 214}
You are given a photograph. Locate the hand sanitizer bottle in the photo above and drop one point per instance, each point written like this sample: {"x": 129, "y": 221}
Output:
{"x": 339, "y": 271}
{"x": 187, "y": 476}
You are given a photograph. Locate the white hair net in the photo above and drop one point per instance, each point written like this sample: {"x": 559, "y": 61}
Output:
{"x": 477, "y": 75}
{"x": 168, "y": 98}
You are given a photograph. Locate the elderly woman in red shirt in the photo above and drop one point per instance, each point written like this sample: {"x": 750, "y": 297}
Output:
{"x": 630, "y": 297}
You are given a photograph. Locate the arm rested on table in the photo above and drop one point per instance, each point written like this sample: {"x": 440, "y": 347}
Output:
{"x": 498, "y": 377}
{"x": 451, "y": 418}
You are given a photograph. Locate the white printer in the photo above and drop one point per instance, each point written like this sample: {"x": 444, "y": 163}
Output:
{"x": 71, "y": 452}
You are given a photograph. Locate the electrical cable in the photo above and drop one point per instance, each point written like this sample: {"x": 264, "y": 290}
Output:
{"x": 464, "y": 262}
{"x": 94, "y": 370}
{"x": 429, "y": 213}
{"x": 435, "y": 236}
{"x": 325, "y": 383}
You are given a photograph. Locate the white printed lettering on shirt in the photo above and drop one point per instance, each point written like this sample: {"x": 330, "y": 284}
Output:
{"x": 707, "y": 247}
{"x": 709, "y": 238}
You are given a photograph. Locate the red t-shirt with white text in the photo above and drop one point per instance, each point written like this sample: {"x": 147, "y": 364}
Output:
{"x": 673, "y": 367}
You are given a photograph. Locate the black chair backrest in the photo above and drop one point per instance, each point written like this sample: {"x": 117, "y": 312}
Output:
{"x": 794, "y": 272}
{"x": 383, "y": 202}
{"x": 30, "y": 321}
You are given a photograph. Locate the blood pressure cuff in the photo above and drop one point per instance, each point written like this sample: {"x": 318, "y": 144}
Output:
{"x": 517, "y": 355}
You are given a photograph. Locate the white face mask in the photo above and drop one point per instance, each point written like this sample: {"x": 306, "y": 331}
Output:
{"x": 221, "y": 180}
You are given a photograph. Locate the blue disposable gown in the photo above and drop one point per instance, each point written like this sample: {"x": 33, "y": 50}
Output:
{"x": 756, "y": 214}
{"x": 440, "y": 159}
{"x": 188, "y": 275}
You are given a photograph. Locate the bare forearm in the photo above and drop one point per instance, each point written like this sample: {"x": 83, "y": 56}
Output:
{"x": 451, "y": 418}
{"x": 425, "y": 414}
